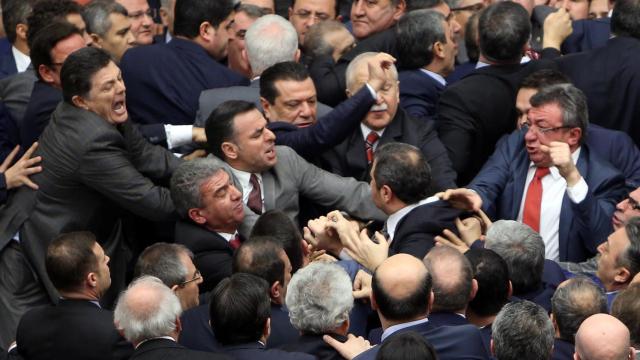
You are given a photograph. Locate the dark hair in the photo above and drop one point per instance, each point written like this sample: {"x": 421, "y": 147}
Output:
{"x": 277, "y": 225}
{"x": 239, "y": 309}
{"x": 46, "y": 11}
{"x": 406, "y": 346}
{"x": 416, "y": 34}
{"x": 162, "y": 260}
{"x": 543, "y": 78}
{"x": 15, "y": 12}
{"x": 626, "y": 307}
{"x": 421, "y": 4}
{"x": 393, "y": 161}
{"x": 336, "y": 6}
{"x": 70, "y": 258}
{"x": 504, "y": 30}
{"x": 78, "y": 70}
{"x": 625, "y": 18}
{"x": 492, "y": 274}
{"x": 96, "y": 16}
{"x": 45, "y": 40}
{"x": 630, "y": 257}
{"x": 452, "y": 277}
{"x": 260, "y": 256}
{"x": 219, "y": 126}
{"x": 406, "y": 308}
{"x": 575, "y": 301}
{"x": 288, "y": 70}
{"x": 571, "y": 101}
{"x": 189, "y": 14}
{"x": 471, "y": 37}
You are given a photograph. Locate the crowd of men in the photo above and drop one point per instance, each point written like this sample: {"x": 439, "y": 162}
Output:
{"x": 320, "y": 179}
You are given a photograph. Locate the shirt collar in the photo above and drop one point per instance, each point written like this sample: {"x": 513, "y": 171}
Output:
{"x": 22, "y": 60}
{"x": 155, "y": 338}
{"x": 366, "y": 130}
{"x": 555, "y": 173}
{"x": 244, "y": 177}
{"x": 395, "y": 218}
{"x": 435, "y": 76}
{"x": 392, "y": 329}
{"x": 228, "y": 236}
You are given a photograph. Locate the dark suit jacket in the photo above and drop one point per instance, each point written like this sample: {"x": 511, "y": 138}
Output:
{"x": 416, "y": 231}
{"x": 212, "y": 253}
{"x": 91, "y": 170}
{"x": 165, "y": 349}
{"x": 562, "y": 350}
{"x": 282, "y": 332}
{"x": 583, "y": 226}
{"x": 314, "y": 345}
{"x": 450, "y": 342}
{"x": 419, "y": 93}
{"x": 7, "y": 65}
{"x": 350, "y": 159}
{"x": 587, "y": 35}
{"x": 15, "y": 92}
{"x": 73, "y": 329}
{"x": 164, "y": 82}
{"x": 9, "y": 133}
{"x": 196, "y": 332}
{"x": 609, "y": 82}
{"x": 446, "y": 319}
{"x": 617, "y": 148}
{"x": 471, "y": 119}
{"x": 43, "y": 101}
{"x": 253, "y": 351}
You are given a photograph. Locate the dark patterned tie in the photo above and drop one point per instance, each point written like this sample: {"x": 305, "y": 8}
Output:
{"x": 255, "y": 196}
{"x": 235, "y": 242}
{"x": 368, "y": 145}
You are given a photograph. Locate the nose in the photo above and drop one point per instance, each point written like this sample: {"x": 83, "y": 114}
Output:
{"x": 108, "y": 258}
{"x": 601, "y": 248}
{"x": 235, "y": 193}
{"x": 530, "y": 135}
{"x": 147, "y": 20}
{"x": 357, "y": 9}
{"x": 120, "y": 87}
{"x": 305, "y": 109}
{"x": 131, "y": 40}
{"x": 455, "y": 26}
{"x": 622, "y": 205}
{"x": 269, "y": 135}
{"x": 312, "y": 20}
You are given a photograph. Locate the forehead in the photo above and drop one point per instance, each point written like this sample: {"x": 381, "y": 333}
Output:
{"x": 260, "y": 3}
{"x": 292, "y": 88}
{"x": 326, "y": 6}
{"x": 134, "y": 5}
{"x": 550, "y": 113}
{"x": 248, "y": 122}
{"x": 76, "y": 20}
{"x": 635, "y": 195}
{"x": 242, "y": 21}
{"x": 219, "y": 179}
{"x": 98, "y": 251}
{"x": 105, "y": 74}
{"x": 66, "y": 46}
{"x": 361, "y": 73}
{"x": 443, "y": 9}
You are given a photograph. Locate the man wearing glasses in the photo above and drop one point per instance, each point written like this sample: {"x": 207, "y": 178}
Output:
{"x": 141, "y": 17}
{"x": 548, "y": 179}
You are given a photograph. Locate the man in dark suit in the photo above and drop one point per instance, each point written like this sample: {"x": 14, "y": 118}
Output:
{"x": 471, "y": 119}
{"x": 573, "y": 214}
{"x": 274, "y": 176}
{"x": 211, "y": 209}
{"x": 522, "y": 330}
{"x": 243, "y": 327}
{"x": 14, "y": 18}
{"x": 96, "y": 161}
{"x": 427, "y": 49}
{"x": 575, "y": 300}
{"x": 406, "y": 308}
{"x": 148, "y": 314}
{"x": 607, "y": 81}
{"x": 77, "y": 327}
{"x": 382, "y": 124}
{"x": 165, "y": 80}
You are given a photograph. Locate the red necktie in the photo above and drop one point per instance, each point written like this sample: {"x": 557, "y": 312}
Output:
{"x": 368, "y": 145}
{"x": 235, "y": 242}
{"x": 533, "y": 201}
{"x": 255, "y": 196}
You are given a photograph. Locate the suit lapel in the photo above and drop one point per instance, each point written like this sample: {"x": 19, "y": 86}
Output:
{"x": 566, "y": 213}
{"x": 519, "y": 180}
{"x": 269, "y": 186}
{"x": 393, "y": 132}
{"x": 356, "y": 157}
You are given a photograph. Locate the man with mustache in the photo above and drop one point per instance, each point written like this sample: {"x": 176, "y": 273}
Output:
{"x": 385, "y": 123}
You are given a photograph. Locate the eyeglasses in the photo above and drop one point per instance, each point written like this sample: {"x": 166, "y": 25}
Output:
{"x": 542, "y": 130}
{"x": 305, "y": 15}
{"x": 633, "y": 203}
{"x": 473, "y": 8}
{"x": 196, "y": 276}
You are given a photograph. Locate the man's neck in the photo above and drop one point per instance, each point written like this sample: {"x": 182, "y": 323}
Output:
{"x": 393, "y": 207}
{"x": 79, "y": 295}
{"x": 479, "y": 321}
{"x": 436, "y": 67}
{"x": 21, "y": 46}
{"x": 386, "y": 323}
{"x": 483, "y": 59}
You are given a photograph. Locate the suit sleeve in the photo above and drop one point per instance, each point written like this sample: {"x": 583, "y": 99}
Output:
{"x": 113, "y": 171}
{"x": 443, "y": 175}
{"x": 3, "y": 189}
{"x": 331, "y": 129}
{"x": 154, "y": 133}
{"x": 329, "y": 79}
{"x": 151, "y": 160}
{"x": 416, "y": 244}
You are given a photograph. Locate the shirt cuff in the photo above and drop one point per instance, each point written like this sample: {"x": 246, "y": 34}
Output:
{"x": 373, "y": 92}
{"x": 178, "y": 135}
{"x": 578, "y": 192}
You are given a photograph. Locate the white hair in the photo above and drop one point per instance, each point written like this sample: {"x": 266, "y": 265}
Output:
{"x": 270, "y": 40}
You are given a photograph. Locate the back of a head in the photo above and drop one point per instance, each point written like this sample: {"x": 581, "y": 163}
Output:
{"x": 626, "y": 308}
{"x": 452, "y": 278}
{"x": 281, "y": 71}
{"x": 315, "y": 40}
{"x": 77, "y": 72}
{"x": 319, "y": 298}
{"x": 190, "y": 14}
{"x": 504, "y": 29}
{"x": 413, "y": 5}
{"x": 573, "y": 302}
{"x": 96, "y": 15}
{"x": 46, "y": 11}
{"x": 522, "y": 330}
{"x": 625, "y": 19}
{"x": 416, "y": 34}
{"x": 260, "y": 256}
{"x": 406, "y": 346}
{"x": 523, "y": 251}
{"x": 147, "y": 309}
{"x": 277, "y": 225}
{"x": 239, "y": 309}
{"x": 15, "y": 12}
{"x": 492, "y": 274}
{"x": 70, "y": 258}
{"x": 543, "y": 78}
{"x": 471, "y": 37}
{"x": 162, "y": 260}
{"x": 44, "y": 41}
{"x": 602, "y": 337}
{"x": 393, "y": 161}
{"x": 269, "y": 40}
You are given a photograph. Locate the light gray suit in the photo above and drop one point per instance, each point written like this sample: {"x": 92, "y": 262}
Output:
{"x": 293, "y": 176}
{"x": 15, "y": 92}
{"x": 212, "y": 98}
{"x": 92, "y": 170}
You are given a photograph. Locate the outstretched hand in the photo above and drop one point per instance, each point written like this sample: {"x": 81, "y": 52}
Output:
{"x": 18, "y": 174}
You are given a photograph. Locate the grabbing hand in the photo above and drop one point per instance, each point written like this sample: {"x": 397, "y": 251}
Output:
{"x": 557, "y": 27}
{"x": 349, "y": 349}
{"x": 378, "y": 67}
{"x": 362, "y": 285}
{"x": 358, "y": 245}
{"x": 463, "y": 199}
{"x": 18, "y": 174}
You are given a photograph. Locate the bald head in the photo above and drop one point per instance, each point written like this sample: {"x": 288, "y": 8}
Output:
{"x": 452, "y": 279}
{"x": 602, "y": 337}
{"x": 402, "y": 288}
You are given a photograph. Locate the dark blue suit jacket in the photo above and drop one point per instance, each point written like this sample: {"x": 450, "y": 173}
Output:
{"x": 587, "y": 35}
{"x": 7, "y": 61}
{"x": 9, "y": 132}
{"x": 583, "y": 226}
{"x": 562, "y": 350}
{"x": 253, "y": 351}
{"x": 617, "y": 148}
{"x": 436, "y": 319}
{"x": 419, "y": 93}
{"x": 164, "y": 82}
{"x": 43, "y": 101}
{"x": 450, "y": 342}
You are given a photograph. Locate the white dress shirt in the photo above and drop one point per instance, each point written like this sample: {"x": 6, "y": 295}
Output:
{"x": 435, "y": 76}
{"x": 394, "y": 219}
{"x": 365, "y": 132}
{"x": 22, "y": 60}
{"x": 392, "y": 329}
